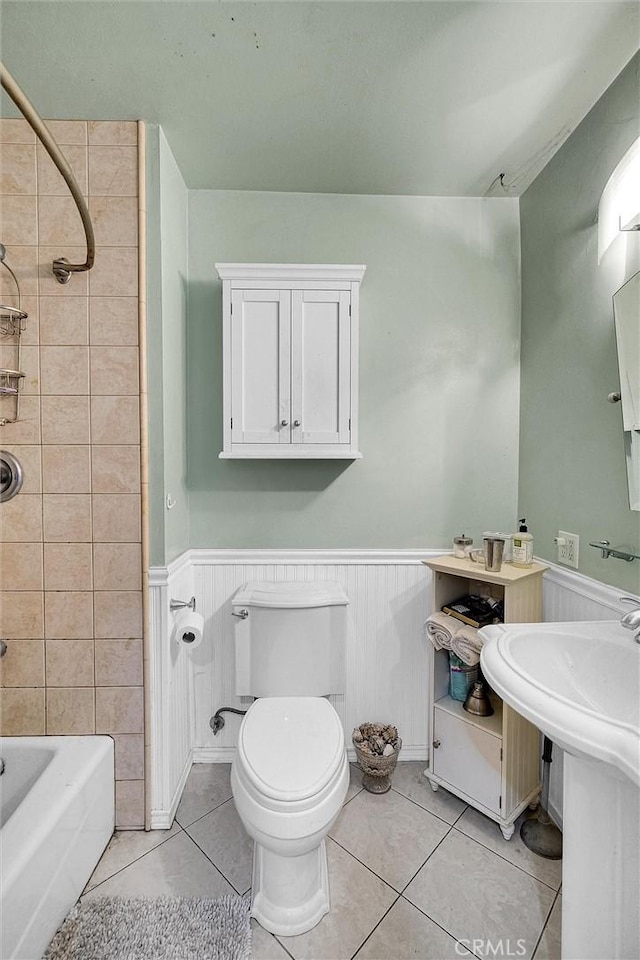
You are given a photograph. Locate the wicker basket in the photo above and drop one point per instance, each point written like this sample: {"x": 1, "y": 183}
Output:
{"x": 377, "y": 770}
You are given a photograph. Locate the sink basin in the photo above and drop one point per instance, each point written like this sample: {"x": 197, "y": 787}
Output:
{"x": 577, "y": 682}
{"x": 580, "y": 684}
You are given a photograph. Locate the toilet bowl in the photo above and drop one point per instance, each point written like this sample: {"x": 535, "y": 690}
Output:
{"x": 289, "y": 779}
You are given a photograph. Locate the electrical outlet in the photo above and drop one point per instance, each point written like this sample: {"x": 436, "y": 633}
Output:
{"x": 568, "y": 548}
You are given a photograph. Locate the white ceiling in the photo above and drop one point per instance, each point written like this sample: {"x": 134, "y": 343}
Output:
{"x": 427, "y": 98}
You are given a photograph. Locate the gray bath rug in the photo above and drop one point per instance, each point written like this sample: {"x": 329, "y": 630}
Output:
{"x": 175, "y": 928}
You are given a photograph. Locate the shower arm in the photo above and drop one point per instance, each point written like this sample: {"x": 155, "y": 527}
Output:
{"x": 62, "y": 269}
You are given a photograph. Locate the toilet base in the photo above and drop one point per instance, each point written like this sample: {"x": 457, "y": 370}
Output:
{"x": 290, "y": 895}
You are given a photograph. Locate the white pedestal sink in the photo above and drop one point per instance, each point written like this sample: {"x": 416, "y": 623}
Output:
{"x": 580, "y": 684}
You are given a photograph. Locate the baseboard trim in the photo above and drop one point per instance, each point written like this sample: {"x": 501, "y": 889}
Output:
{"x": 163, "y": 819}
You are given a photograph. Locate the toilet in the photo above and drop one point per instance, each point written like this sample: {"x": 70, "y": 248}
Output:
{"x": 290, "y": 773}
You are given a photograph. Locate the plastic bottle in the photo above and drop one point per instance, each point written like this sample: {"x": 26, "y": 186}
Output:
{"x": 522, "y": 546}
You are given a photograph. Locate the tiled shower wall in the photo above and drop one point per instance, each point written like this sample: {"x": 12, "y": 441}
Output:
{"x": 71, "y": 540}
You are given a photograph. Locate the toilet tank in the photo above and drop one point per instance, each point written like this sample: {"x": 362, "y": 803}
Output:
{"x": 290, "y": 639}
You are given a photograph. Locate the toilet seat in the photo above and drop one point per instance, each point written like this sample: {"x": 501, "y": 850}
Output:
{"x": 290, "y": 749}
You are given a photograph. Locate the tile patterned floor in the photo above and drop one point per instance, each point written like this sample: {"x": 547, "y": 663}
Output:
{"x": 413, "y": 873}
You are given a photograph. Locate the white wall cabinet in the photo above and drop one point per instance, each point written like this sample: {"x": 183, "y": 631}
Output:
{"x": 493, "y": 762}
{"x": 290, "y": 346}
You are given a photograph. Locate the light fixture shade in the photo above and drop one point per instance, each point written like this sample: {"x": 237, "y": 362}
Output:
{"x": 620, "y": 201}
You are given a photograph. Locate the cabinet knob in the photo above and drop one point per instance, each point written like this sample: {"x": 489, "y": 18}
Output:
{"x": 297, "y": 423}
{"x": 436, "y": 744}
{"x": 284, "y": 423}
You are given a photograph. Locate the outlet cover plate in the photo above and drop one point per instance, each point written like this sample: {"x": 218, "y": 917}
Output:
{"x": 568, "y": 552}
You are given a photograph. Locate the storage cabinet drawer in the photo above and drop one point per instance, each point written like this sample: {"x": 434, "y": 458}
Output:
{"x": 468, "y": 758}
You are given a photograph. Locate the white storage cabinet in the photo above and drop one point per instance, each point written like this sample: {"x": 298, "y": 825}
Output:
{"x": 493, "y": 763}
{"x": 290, "y": 360}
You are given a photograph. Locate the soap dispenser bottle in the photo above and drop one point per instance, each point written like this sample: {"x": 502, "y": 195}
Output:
{"x": 522, "y": 546}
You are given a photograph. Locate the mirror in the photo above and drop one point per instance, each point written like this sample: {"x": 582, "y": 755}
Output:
{"x": 626, "y": 313}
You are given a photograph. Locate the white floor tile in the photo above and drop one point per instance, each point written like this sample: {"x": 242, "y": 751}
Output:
{"x": 176, "y": 868}
{"x": 207, "y": 786}
{"x": 358, "y": 901}
{"x": 224, "y": 840}
{"x": 126, "y": 846}
{"x": 476, "y": 895}
{"x": 388, "y": 833}
{"x": 264, "y": 945}
{"x": 406, "y": 934}
{"x": 409, "y": 780}
{"x": 474, "y": 824}
{"x": 355, "y": 782}
{"x": 549, "y": 947}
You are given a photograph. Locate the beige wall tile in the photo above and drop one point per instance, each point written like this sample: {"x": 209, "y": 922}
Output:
{"x": 116, "y": 518}
{"x": 119, "y": 663}
{"x": 16, "y": 131}
{"x": 115, "y": 220}
{"x": 68, "y": 616}
{"x": 30, "y": 335}
{"x": 113, "y": 321}
{"x": 24, "y": 263}
{"x": 129, "y": 756}
{"x": 115, "y": 469}
{"x": 50, "y": 181}
{"x": 117, "y": 566}
{"x": 67, "y": 566}
{"x": 27, "y": 428}
{"x": 115, "y": 420}
{"x": 65, "y": 420}
{"x": 59, "y": 221}
{"x": 19, "y": 221}
{"x": 17, "y": 168}
{"x": 22, "y": 712}
{"x": 69, "y": 663}
{"x": 68, "y": 131}
{"x": 70, "y": 711}
{"x": 64, "y": 320}
{"x": 119, "y": 710}
{"x": 47, "y": 283}
{"x": 21, "y": 615}
{"x": 113, "y": 171}
{"x": 113, "y": 131}
{"x": 118, "y": 616}
{"x": 23, "y": 664}
{"x": 114, "y": 371}
{"x": 21, "y": 566}
{"x": 67, "y": 517}
{"x": 66, "y": 469}
{"x": 115, "y": 273}
{"x": 21, "y": 519}
{"x": 64, "y": 371}
{"x": 130, "y": 804}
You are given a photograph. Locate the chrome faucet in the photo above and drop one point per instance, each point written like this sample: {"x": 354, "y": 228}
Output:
{"x": 631, "y": 620}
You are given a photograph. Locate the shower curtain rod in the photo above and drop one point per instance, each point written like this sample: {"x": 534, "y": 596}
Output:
{"x": 62, "y": 269}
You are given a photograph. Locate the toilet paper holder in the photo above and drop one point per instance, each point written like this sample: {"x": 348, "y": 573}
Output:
{"x": 180, "y": 604}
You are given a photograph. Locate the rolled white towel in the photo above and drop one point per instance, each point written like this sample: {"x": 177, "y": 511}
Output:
{"x": 467, "y": 645}
{"x": 440, "y": 628}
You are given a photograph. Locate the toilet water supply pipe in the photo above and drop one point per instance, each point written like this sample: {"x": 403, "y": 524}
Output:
{"x": 62, "y": 269}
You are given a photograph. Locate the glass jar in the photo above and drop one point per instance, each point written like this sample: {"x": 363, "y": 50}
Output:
{"x": 462, "y": 547}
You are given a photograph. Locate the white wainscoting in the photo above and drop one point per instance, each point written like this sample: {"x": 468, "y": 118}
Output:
{"x": 386, "y": 663}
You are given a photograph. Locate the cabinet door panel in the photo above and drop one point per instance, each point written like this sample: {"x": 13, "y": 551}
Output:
{"x": 320, "y": 366}
{"x": 260, "y": 375}
{"x": 467, "y": 758}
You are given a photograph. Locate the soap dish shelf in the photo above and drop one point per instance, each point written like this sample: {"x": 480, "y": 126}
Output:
{"x": 620, "y": 553}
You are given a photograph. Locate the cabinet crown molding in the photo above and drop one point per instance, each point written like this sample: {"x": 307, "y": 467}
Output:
{"x": 290, "y": 271}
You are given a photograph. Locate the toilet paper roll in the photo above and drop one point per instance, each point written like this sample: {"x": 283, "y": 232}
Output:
{"x": 188, "y": 629}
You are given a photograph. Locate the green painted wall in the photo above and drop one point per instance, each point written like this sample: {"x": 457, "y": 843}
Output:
{"x": 439, "y": 371}
{"x": 572, "y": 468}
{"x": 167, "y": 291}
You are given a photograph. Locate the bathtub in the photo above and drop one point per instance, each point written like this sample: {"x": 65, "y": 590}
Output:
{"x": 57, "y": 816}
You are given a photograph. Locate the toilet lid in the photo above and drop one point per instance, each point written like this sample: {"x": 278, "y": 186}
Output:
{"x": 291, "y": 745}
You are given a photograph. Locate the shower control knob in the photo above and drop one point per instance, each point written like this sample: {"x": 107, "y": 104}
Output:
{"x": 297, "y": 423}
{"x": 284, "y": 423}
